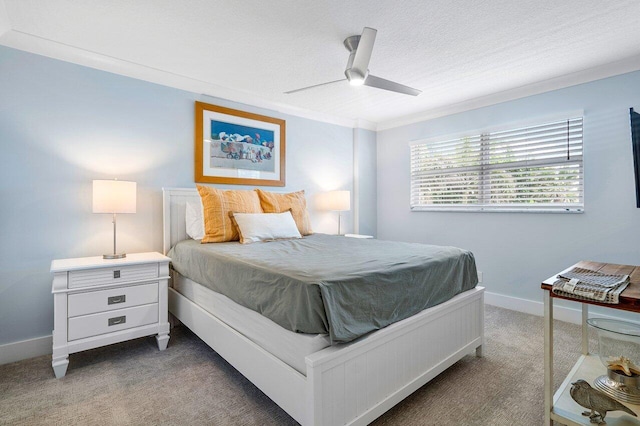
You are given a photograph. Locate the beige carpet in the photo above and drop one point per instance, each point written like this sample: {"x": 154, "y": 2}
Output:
{"x": 132, "y": 383}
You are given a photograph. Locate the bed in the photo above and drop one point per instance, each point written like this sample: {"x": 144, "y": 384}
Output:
{"x": 350, "y": 383}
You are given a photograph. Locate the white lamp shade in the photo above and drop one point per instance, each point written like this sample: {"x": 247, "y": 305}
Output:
{"x": 114, "y": 196}
{"x": 334, "y": 200}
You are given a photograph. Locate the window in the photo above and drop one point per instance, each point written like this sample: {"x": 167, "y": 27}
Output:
{"x": 536, "y": 168}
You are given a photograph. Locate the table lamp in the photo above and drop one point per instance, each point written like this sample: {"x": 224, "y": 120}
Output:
{"x": 339, "y": 201}
{"x": 114, "y": 196}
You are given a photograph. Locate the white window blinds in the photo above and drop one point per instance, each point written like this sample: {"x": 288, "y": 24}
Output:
{"x": 535, "y": 168}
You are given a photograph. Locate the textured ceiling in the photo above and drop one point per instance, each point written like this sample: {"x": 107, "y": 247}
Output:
{"x": 454, "y": 51}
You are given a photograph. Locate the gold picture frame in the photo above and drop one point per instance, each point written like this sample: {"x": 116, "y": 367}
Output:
{"x": 238, "y": 148}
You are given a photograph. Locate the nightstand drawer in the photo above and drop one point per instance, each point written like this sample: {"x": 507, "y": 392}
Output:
{"x": 112, "y": 299}
{"x": 112, "y": 275}
{"x": 107, "y": 322}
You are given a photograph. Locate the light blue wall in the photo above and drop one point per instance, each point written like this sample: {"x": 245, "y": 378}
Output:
{"x": 516, "y": 251}
{"x": 63, "y": 125}
{"x": 365, "y": 176}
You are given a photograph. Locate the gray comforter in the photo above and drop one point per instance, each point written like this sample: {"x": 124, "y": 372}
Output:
{"x": 345, "y": 287}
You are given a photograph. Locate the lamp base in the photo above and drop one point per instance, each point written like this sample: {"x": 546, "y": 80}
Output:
{"x": 114, "y": 256}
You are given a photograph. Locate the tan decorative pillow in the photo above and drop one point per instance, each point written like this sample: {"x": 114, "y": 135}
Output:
{"x": 216, "y": 206}
{"x": 273, "y": 202}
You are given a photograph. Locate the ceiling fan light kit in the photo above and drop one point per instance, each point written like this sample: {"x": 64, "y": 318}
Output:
{"x": 354, "y": 78}
{"x": 360, "y": 48}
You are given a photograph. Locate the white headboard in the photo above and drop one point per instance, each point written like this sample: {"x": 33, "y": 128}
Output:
{"x": 173, "y": 218}
{"x": 174, "y": 204}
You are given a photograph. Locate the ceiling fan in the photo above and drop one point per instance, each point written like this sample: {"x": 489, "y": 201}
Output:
{"x": 357, "y": 72}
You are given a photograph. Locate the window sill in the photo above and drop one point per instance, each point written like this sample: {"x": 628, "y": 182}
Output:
{"x": 495, "y": 210}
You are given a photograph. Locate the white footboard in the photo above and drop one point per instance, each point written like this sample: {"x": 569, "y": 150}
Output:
{"x": 356, "y": 384}
{"x": 351, "y": 384}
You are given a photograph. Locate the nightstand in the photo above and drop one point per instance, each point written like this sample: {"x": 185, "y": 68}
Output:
{"x": 358, "y": 236}
{"x": 99, "y": 301}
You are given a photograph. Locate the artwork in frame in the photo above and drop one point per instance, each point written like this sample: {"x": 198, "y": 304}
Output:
{"x": 238, "y": 148}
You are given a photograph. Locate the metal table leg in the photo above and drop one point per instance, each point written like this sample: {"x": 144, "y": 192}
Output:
{"x": 585, "y": 329}
{"x": 548, "y": 357}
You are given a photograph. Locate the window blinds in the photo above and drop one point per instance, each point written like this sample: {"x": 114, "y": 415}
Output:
{"x": 534, "y": 168}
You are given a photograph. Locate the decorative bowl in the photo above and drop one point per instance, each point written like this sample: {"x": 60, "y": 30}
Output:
{"x": 619, "y": 352}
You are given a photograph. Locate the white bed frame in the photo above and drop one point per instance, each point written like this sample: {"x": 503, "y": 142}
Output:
{"x": 350, "y": 384}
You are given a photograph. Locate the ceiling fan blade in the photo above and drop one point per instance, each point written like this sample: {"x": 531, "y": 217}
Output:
{"x": 363, "y": 52}
{"x": 381, "y": 83}
{"x": 315, "y": 85}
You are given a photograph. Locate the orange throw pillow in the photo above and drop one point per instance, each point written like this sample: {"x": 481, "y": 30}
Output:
{"x": 216, "y": 206}
{"x": 272, "y": 202}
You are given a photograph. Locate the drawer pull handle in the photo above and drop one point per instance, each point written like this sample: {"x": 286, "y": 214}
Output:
{"x": 116, "y": 274}
{"x": 117, "y": 320}
{"x": 116, "y": 299}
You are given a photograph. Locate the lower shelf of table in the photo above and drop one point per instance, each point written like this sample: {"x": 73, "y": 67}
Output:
{"x": 567, "y": 411}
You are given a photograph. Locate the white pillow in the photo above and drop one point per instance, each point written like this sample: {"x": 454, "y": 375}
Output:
{"x": 194, "y": 220}
{"x": 254, "y": 227}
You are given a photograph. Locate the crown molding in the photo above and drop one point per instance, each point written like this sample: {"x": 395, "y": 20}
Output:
{"x": 364, "y": 124}
{"x": 580, "y": 77}
{"x": 45, "y": 47}
{"x": 52, "y": 49}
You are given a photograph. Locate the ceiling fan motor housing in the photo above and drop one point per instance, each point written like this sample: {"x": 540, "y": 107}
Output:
{"x": 355, "y": 77}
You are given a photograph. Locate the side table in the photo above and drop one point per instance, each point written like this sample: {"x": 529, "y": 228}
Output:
{"x": 560, "y": 407}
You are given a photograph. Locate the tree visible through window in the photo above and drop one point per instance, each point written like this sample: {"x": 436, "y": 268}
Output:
{"x": 536, "y": 168}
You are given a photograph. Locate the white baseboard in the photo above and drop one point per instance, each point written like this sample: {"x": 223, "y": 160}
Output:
{"x": 533, "y": 307}
{"x": 17, "y": 351}
{"x": 25, "y": 349}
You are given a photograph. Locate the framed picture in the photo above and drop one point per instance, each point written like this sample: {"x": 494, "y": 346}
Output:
{"x": 238, "y": 148}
